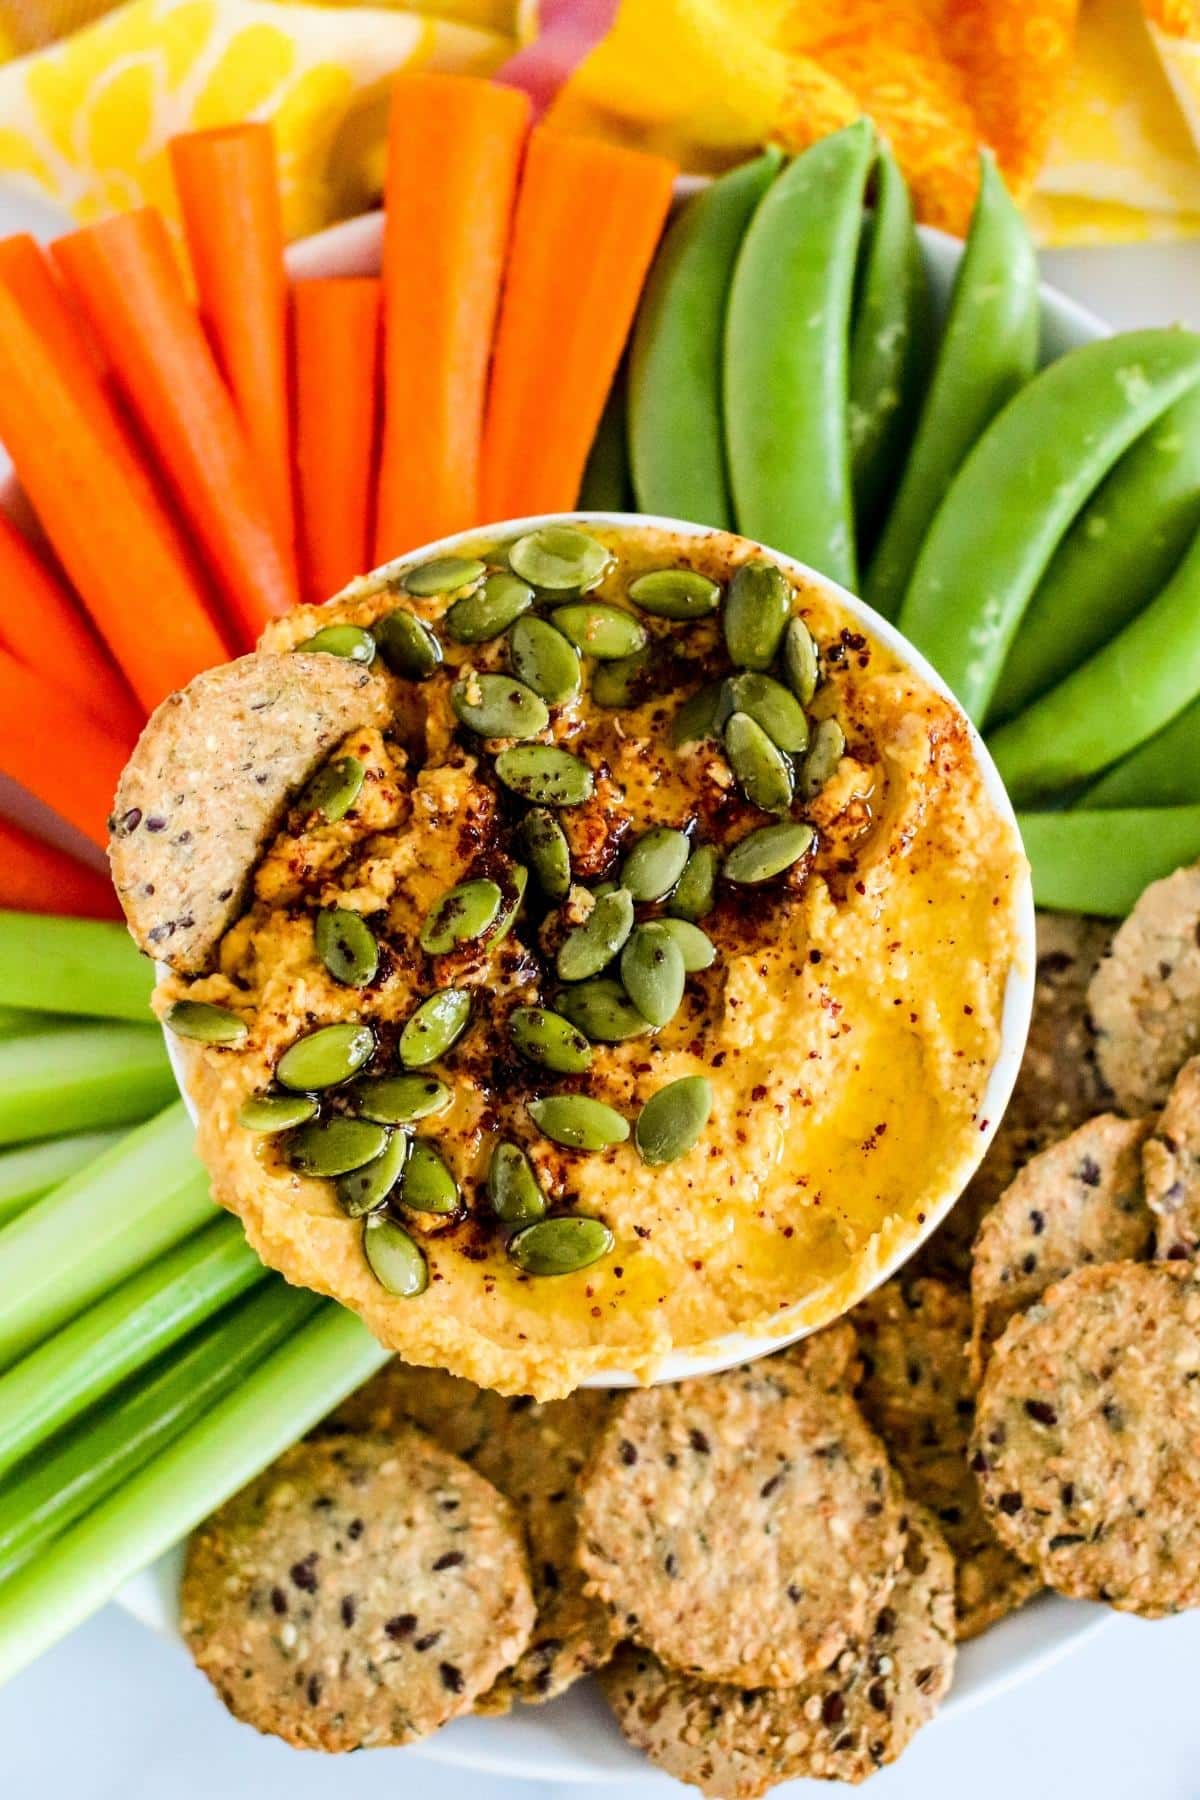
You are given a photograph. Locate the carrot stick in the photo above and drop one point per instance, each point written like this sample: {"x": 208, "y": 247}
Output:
{"x": 565, "y": 314}
{"x": 454, "y": 148}
{"x": 101, "y": 512}
{"x": 335, "y": 333}
{"x": 56, "y": 751}
{"x": 227, "y": 180}
{"x": 37, "y": 877}
{"x": 124, "y": 276}
{"x": 31, "y": 281}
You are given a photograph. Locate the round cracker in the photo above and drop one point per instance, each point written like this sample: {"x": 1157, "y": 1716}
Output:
{"x": 1145, "y": 995}
{"x": 839, "y": 1726}
{"x": 743, "y": 1526}
{"x": 361, "y": 1591}
{"x": 1171, "y": 1167}
{"x": 1087, "y": 1436}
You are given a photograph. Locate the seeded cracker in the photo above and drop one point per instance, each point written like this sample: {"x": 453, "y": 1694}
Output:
{"x": 1145, "y": 996}
{"x": 362, "y": 1591}
{"x": 1171, "y": 1167}
{"x": 743, "y": 1526}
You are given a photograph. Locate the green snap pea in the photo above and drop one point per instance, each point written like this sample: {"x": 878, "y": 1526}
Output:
{"x": 348, "y": 641}
{"x": 276, "y": 1112}
{"x": 397, "y": 1263}
{"x": 545, "y": 775}
{"x": 400, "y": 1099}
{"x": 655, "y": 863}
{"x": 602, "y": 1010}
{"x": 767, "y": 852}
{"x": 591, "y": 946}
{"x": 676, "y": 593}
{"x": 545, "y": 660}
{"x": 560, "y": 1246}
{"x": 332, "y": 1147}
{"x": 670, "y": 1123}
{"x": 444, "y": 575}
{"x": 676, "y": 433}
{"x": 787, "y": 356}
{"x": 361, "y": 1190}
{"x": 547, "y": 1038}
{"x": 434, "y": 1027}
{"x": 578, "y": 1121}
{"x": 205, "y": 1023}
{"x": 326, "y": 1057}
{"x": 1164, "y": 771}
{"x": 606, "y": 486}
{"x": 464, "y": 912}
{"x": 559, "y": 559}
{"x": 334, "y": 789}
{"x": 489, "y": 610}
{"x": 499, "y": 706}
{"x": 428, "y": 1184}
{"x": 652, "y": 973}
{"x": 513, "y": 1187}
{"x": 697, "y": 950}
{"x": 346, "y": 945}
{"x": 545, "y": 843}
{"x": 763, "y": 772}
{"x": 695, "y": 892}
{"x": 597, "y": 629}
{"x": 1100, "y": 862}
{"x": 987, "y": 352}
{"x": 772, "y": 707}
{"x": 407, "y": 645}
{"x": 756, "y": 612}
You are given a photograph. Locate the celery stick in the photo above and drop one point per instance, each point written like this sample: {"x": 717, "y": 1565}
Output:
{"x": 121, "y": 1334}
{"x": 138, "y": 1199}
{"x": 73, "y": 966}
{"x": 331, "y": 1354}
{"x": 33, "y": 1169}
{"x": 14, "y": 1020}
{"x": 80, "y": 1076}
{"x": 70, "y": 1477}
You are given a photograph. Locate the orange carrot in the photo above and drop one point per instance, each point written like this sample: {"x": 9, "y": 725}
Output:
{"x": 124, "y": 276}
{"x": 227, "y": 180}
{"x": 45, "y": 629}
{"x": 37, "y": 877}
{"x": 454, "y": 150}
{"x": 566, "y": 312}
{"x": 101, "y": 512}
{"x": 26, "y": 273}
{"x": 56, "y": 751}
{"x": 335, "y": 332}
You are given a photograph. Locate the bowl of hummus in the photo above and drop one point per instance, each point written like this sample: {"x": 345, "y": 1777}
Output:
{"x": 593, "y": 948}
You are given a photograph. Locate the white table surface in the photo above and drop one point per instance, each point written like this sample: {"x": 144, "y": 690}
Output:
{"x": 115, "y": 1714}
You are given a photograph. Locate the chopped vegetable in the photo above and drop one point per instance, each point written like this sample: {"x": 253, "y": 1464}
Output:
{"x": 79, "y": 1076}
{"x": 336, "y": 332}
{"x": 31, "y": 1170}
{"x": 36, "y": 877}
{"x": 60, "y": 965}
{"x": 52, "y": 748}
{"x": 1099, "y": 862}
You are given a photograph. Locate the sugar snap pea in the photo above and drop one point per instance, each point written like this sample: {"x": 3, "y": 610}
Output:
{"x": 787, "y": 356}
{"x": 606, "y": 486}
{"x": 1099, "y": 862}
{"x": 1019, "y": 489}
{"x": 1164, "y": 771}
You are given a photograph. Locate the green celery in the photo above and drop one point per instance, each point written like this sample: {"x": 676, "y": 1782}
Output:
{"x": 61, "y": 965}
{"x": 31, "y": 1170}
{"x": 16, "y": 1020}
{"x": 77, "y": 1077}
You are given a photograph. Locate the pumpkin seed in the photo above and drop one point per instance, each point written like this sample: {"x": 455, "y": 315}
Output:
{"x": 766, "y": 852}
{"x": 578, "y": 1121}
{"x": 770, "y": 705}
{"x": 444, "y": 575}
{"x": 695, "y": 891}
{"x": 362, "y": 1190}
{"x": 801, "y": 663}
{"x": 334, "y": 1146}
{"x": 436, "y": 1024}
{"x": 560, "y": 560}
{"x": 676, "y": 593}
{"x": 764, "y": 773}
{"x": 407, "y": 645}
{"x": 545, "y": 775}
{"x": 545, "y": 843}
{"x": 547, "y": 1038}
{"x": 349, "y": 641}
{"x": 655, "y": 863}
{"x": 490, "y": 610}
{"x": 543, "y": 658}
{"x": 427, "y": 1184}
{"x": 397, "y": 1263}
{"x": 560, "y": 1246}
{"x": 671, "y": 1121}
{"x": 602, "y": 1010}
{"x": 276, "y": 1112}
{"x": 605, "y": 632}
{"x": 513, "y": 1187}
{"x": 518, "y": 882}
{"x": 697, "y": 950}
{"x": 400, "y": 1099}
{"x": 334, "y": 789}
{"x": 205, "y": 1023}
{"x": 499, "y": 706}
{"x": 592, "y": 945}
{"x": 462, "y": 913}
{"x": 626, "y": 681}
{"x": 699, "y": 716}
{"x": 756, "y": 611}
{"x": 652, "y": 973}
{"x": 325, "y": 1057}
{"x": 346, "y": 945}
{"x": 825, "y": 753}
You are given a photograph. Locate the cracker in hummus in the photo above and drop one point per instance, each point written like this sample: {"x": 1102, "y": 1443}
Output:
{"x": 1145, "y": 995}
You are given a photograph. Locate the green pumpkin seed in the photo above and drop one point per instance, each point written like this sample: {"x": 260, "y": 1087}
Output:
{"x": 400, "y": 1099}
{"x": 427, "y": 1184}
{"x": 695, "y": 892}
{"x": 766, "y": 852}
{"x": 518, "y": 882}
{"x": 602, "y": 1010}
{"x": 560, "y": 1246}
{"x": 764, "y": 773}
{"x": 436, "y": 1024}
{"x": 626, "y": 681}
{"x": 560, "y": 560}
{"x": 349, "y": 641}
{"x": 756, "y": 611}
{"x": 652, "y": 973}
{"x": 334, "y": 789}
{"x": 346, "y": 945}
{"x": 444, "y": 575}
{"x": 326, "y": 1057}
{"x": 699, "y": 716}
{"x": 545, "y": 843}
{"x": 545, "y": 775}
{"x": 676, "y": 593}
{"x": 697, "y": 950}
{"x": 276, "y": 1112}
{"x": 770, "y": 705}
{"x": 513, "y": 1187}
{"x": 499, "y": 706}
{"x": 362, "y": 1190}
{"x": 596, "y": 629}
{"x": 407, "y": 645}
{"x": 578, "y": 1121}
{"x": 547, "y": 1038}
{"x": 397, "y": 1263}
{"x": 490, "y": 610}
{"x": 331, "y": 1147}
{"x": 592, "y": 945}
{"x": 801, "y": 663}
{"x": 655, "y": 863}
{"x": 205, "y": 1023}
{"x": 543, "y": 658}
{"x": 463, "y": 912}
{"x": 825, "y": 753}
{"x": 671, "y": 1121}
